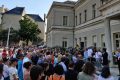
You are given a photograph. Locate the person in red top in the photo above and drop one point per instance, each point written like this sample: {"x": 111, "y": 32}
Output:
{"x": 4, "y": 54}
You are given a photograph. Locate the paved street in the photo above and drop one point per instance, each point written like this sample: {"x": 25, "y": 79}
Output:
{"x": 114, "y": 72}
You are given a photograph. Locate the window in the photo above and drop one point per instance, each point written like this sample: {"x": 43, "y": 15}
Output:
{"x": 80, "y": 18}
{"x": 102, "y": 40}
{"x": 94, "y": 11}
{"x": 85, "y": 41}
{"x": 64, "y": 44}
{"x": 117, "y": 40}
{"x": 76, "y": 20}
{"x": 65, "y": 20}
{"x": 85, "y": 15}
{"x": 79, "y": 40}
{"x": 104, "y": 1}
{"x": 94, "y": 41}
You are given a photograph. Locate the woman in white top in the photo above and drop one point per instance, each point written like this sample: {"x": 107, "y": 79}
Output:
{"x": 98, "y": 57}
{"x": 105, "y": 74}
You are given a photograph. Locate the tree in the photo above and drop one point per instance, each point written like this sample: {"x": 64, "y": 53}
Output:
{"x": 14, "y": 37}
{"x": 29, "y": 30}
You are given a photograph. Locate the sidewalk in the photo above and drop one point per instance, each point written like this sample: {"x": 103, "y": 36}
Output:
{"x": 115, "y": 72}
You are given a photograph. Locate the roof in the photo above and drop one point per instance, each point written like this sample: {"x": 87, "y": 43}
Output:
{"x": 70, "y": 2}
{"x": 35, "y": 17}
{"x": 16, "y": 10}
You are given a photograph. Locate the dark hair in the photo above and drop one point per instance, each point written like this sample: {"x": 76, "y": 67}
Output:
{"x": 12, "y": 60}
{"x": 89, "y": 68}
{"x": 58, "y": 70}
{"x": 27, "y": 65}
{"x": 104, "y": 49}
{"x": 71, "y": 65}
{"x": 5, "y": 60}
{"x": 105, "y": 72}
{"x": 63, "y": 59}
{"x": 44, "y": 65}
{"x": 35, "y": 72}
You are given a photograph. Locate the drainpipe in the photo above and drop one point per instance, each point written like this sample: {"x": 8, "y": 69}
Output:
{"x": 74, "y": 28}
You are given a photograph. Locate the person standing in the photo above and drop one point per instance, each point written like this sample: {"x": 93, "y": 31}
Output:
{"x": 88, "y": 72}
{"x": 105, "y": 74}
{"x": 105, "y": 57}
{"x": 27, "y": 66}
{"x": 12, "y": 70}
{"x": 20, "y": 66}
{"x": 1, "y": 72}
{"x": 36, "y": 73}
{"x": 5, "y": 69}
{"x": 118, "y": 59}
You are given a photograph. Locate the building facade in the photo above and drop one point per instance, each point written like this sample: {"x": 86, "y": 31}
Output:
{"x": 12, "y": 17}
{"x": 94, "y": 23}
{"x": 60, "y": 23}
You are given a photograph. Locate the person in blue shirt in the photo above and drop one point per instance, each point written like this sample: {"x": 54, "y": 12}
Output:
{"x": 20, "y": 66}
{"x": 85, "y": 55}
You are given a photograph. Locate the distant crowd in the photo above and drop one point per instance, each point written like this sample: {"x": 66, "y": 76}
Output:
{"x": 35, "y": 63}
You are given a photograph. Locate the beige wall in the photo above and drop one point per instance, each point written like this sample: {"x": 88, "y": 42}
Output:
{"x": 55, "y": 38}
{"x": 92, "y": 27}
{"x": 58, "y": 16}
{"x": 10, "y": 20}
{"x": 87, "y": 5}
{"x": 41, "y": 26}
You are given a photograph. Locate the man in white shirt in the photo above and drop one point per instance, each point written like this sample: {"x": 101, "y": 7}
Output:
{"x": 12, "y": 70}
{"x": 5, "y": 69}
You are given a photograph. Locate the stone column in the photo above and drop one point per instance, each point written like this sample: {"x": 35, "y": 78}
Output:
{"x": 108, "y": 42}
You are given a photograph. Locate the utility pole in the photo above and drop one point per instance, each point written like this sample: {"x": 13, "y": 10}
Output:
{"x": 7, "y": 45}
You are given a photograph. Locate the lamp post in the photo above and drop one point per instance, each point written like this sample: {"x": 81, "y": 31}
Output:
{"x": 7, "y": 45}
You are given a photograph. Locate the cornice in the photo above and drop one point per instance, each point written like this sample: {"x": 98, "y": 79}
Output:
{"x": 79, "y": 2}
{"x": 89, "y": 24}
{"x": 59, "y": 5}
{"x": 108, "y": 4}
{"x": 60, "y": 29}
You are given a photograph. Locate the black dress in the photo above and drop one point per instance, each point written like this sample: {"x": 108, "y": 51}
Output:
{"x": 105, "y": 58}
{"x": 71, "y": 75}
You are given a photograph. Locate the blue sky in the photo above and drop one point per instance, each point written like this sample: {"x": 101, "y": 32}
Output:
{"x": 31, "y": 6}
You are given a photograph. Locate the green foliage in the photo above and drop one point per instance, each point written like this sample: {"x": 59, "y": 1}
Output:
{"x": 14, "y": 37}
{"x": 29, "y": 31}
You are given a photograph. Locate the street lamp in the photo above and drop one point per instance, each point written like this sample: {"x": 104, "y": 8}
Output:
{"x": 9, "y": 29}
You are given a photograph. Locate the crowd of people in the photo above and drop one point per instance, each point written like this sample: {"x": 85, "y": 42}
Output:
{"x": 34, "y": 63}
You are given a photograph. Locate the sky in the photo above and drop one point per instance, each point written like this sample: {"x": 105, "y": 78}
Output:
{"x": 31, "y": 6}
